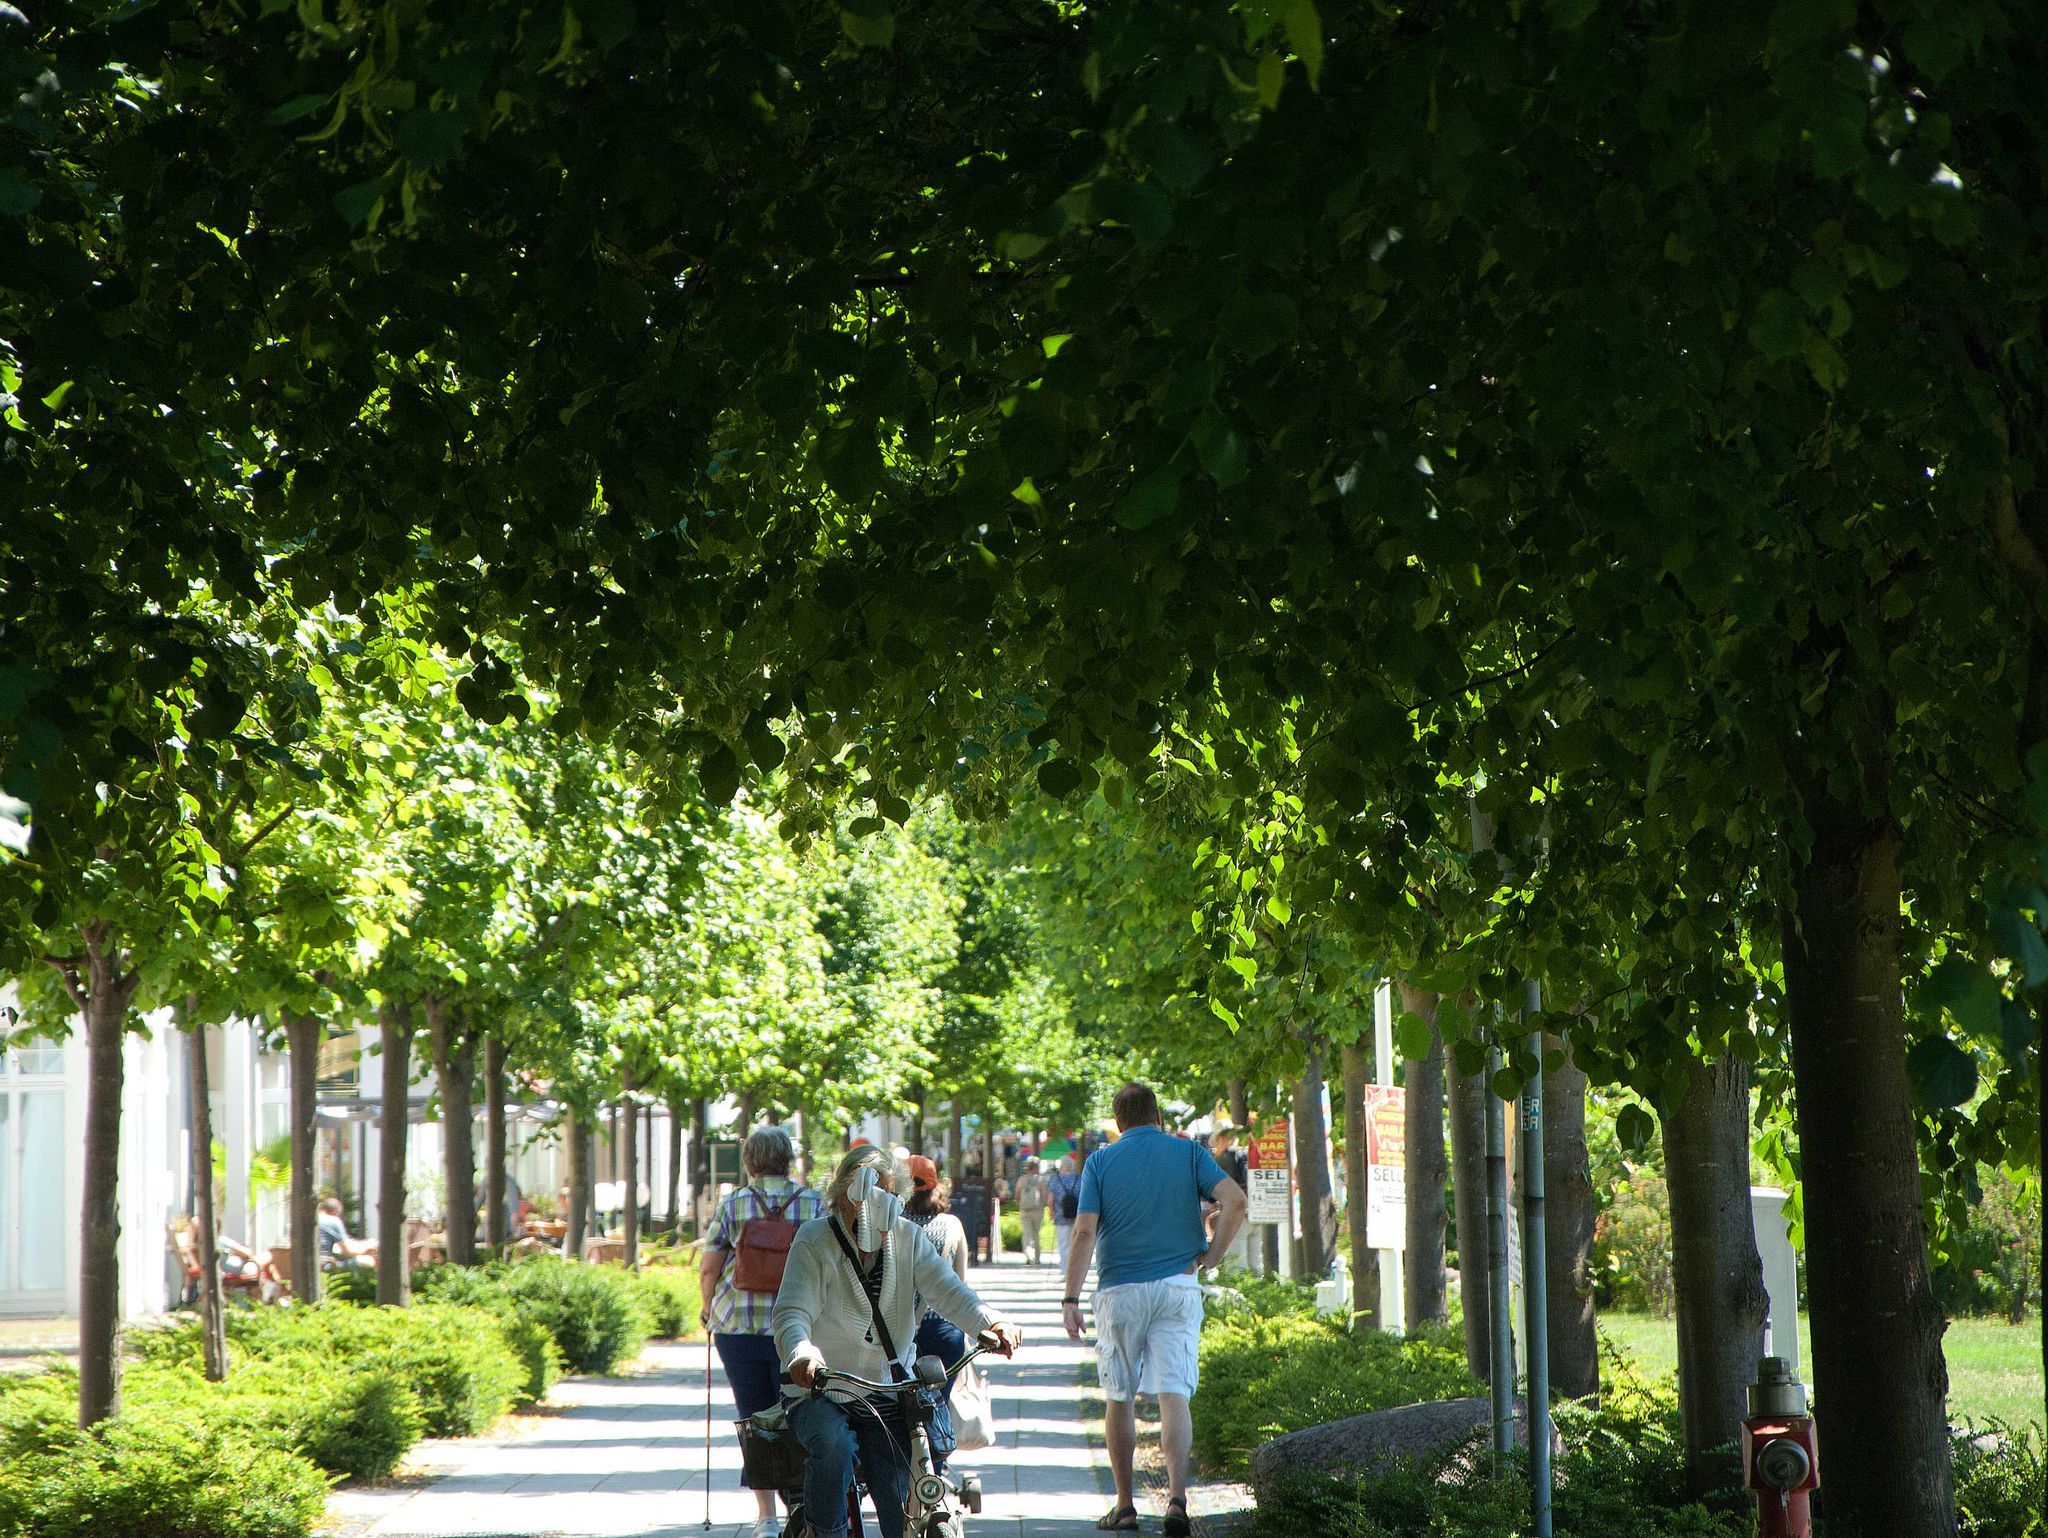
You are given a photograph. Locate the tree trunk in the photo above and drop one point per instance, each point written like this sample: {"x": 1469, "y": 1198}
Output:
{"x": 916, "y": 1128}
{"x": 213, "y": 1324}
{"x": 629, "y": 1112}
{"x": 700, "y": 1155}
{"x": 1425, "y": 1175}
{"x": 1276, "y": 1233}
{"x": 1715, "y": 1269}
{"x": 394, "y": 1265}
{"x": 1312, "y": 1154}
{"x": 578, "y": 1205}
{"x": 498, "y": 1217}
{"x": 746, "y": 1116}
{"x": 454, "y": 1049}
{"x": 675, "y": 1167}
{"x": 1240, "y": 1105}
{"x": 302, "y": 1043}
{"x": 1568, "y": 1212}
{"x": 1367, "y": 1307}
{"x": 102, "y": 995}
{"x": 1468, "y": 1184}
{"x": 953, "y": 1140}
{"x": 1876, "y": 1327}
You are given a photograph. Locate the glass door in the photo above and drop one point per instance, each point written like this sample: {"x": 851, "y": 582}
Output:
{"x": 32, "y": 1214}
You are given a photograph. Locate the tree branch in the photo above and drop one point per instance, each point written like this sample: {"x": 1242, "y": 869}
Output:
{"x": 242, "y": 851}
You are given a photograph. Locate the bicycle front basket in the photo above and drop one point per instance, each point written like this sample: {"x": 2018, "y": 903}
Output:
{"x": 771, "y": 1458}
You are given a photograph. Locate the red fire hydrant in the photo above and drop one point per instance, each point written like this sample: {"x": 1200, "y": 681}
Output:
{"x": 1780, "y": 1452}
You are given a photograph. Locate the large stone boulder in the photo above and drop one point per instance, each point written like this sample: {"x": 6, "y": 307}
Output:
{"x": 1365, "y": 1445}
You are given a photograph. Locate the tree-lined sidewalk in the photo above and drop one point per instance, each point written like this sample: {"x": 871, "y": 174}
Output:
{"x": 625, "y": 1457}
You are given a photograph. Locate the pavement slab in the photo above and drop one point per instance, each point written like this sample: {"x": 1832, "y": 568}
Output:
{"x": 628, "y": 1457}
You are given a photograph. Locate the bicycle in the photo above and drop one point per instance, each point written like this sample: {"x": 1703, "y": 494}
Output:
{"x": 935, "y": 1507}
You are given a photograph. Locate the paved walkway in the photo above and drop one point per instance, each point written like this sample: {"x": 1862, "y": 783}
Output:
{"x": 625, "y": 1457}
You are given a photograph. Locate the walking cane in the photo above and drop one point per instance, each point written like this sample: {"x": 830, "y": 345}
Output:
{"x": 707, "y": 1431}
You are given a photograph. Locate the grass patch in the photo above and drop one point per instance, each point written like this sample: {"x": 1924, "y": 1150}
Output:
{"x": 1994, "y": 1368}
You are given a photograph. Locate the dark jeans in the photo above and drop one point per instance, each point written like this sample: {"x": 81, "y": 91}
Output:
{"x": 752, "y": 1370}
{"x": 834, "y": 1435}
{"x": 936, "y": 1337}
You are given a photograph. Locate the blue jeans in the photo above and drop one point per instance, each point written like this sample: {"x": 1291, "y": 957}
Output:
{"x": 943, "y": 1339}
{"x": 834, "y": 1435}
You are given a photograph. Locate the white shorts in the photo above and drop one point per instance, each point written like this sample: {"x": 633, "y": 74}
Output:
{"x": 1147, "y": 1335}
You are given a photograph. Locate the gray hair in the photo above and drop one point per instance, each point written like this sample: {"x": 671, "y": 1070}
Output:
{"x": 888, "y": 1169}
{"x": 767, "y": 1151}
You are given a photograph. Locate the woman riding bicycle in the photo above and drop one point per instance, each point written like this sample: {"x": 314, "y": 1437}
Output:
{"x": 849, "y": 1300}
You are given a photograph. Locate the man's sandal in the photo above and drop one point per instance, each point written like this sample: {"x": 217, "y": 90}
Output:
{"x": 1176, "y": 1525}
{"x": 1119, "y": 1519}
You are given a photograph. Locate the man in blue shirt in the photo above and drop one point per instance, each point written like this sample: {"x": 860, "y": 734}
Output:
{"x": 1141, "y": 1203}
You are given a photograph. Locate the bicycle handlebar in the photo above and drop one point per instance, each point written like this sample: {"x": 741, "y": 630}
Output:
{"x": 832, "y": 1374}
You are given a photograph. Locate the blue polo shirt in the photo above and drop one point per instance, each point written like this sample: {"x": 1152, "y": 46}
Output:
{"x": 1146, "y": 1190}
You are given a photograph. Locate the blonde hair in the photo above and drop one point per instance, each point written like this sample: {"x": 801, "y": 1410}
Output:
{"x": 888, "y": 1170}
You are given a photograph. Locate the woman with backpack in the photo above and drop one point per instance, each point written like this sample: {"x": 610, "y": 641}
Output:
{"x": 741, "y": 1272}
{"x": 1063, "y": 1193}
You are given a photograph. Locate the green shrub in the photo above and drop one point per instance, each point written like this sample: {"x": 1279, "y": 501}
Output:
{"x": 459, "y": 1362}
{"x": 1013, "y": 1233}
{"x": 540, "y": 1359}
{"x": 169, "y": 1474}
{"x": 1265, "y": 1374}
{"x": 1998, "y": 1485}
{"x": 593, "y": 1312}
{"x": 1271, "y": 1297}
{"x": 484, "y": 1287}
{"x": 596, "y": 1316}
{"x": 670, "y": 1298}
{"x": 363, "y": 1426}
{"x": 1621, "y": 1475}
{"x": 354, "y": 1421}
{"x": 349, "y": 1284}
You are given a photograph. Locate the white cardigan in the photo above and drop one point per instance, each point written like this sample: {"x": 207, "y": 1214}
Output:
{"x": 822, "y": 1313}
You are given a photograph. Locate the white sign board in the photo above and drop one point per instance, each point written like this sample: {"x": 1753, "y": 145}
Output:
{"x": 1386, "y": 1168}
{"x": 1271, "y": 1197}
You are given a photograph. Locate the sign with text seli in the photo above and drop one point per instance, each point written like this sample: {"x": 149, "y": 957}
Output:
{"x": 1386, "y": 1173}
{"x": 1272, "y": 1181}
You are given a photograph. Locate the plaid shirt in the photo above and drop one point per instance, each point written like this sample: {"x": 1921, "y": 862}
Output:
{"x": 746, "y": 1313}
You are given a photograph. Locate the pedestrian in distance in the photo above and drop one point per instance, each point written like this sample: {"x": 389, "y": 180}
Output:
{"x": 1063, "y": 1195}
{"x": 1031, "y": 1208}
{"x": 1140, "y": 1219}
{"x": 858, "y": 1278}
{"x": 742, "y": 1269}
{"x": 926, "y": 1207}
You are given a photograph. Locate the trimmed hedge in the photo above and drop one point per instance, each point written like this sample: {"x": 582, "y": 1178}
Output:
{"x": 173, "y": 1473}
{"x": 671, "y": 1299}
{"x": 597, "y": 1316}
{"x": 1270, "y": 1366}
{"x": 460, "y": 1362}
{"x": 351, "y": 1422}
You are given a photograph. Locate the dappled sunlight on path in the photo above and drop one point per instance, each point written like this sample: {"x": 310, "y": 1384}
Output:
{"x": 625, "y": 1457}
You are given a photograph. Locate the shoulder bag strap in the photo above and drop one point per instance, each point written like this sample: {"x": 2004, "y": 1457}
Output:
{"x": 896, "y": 1374}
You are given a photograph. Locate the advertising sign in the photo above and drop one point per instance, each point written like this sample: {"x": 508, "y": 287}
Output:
{"x": 1386, "y": 1166}
{"x": 1272, "y": 1181}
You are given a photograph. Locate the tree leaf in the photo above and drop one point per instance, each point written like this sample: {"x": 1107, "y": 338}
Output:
{"x": 1155, "y": 495}
{"x": 1943, "y": 1074}
{"x": 358, "y": 204}
{"x": 1412, "y": 1034}
{"x": 428, "y": 137}
{"x": 1634, "y": 1127}
{"x": 1059, "y": 777}
{"x": 871, "y": 26}
{"x": 719, "y": 774}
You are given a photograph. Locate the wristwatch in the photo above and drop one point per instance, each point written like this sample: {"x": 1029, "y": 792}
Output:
{"x": 1075, "y": 1301}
